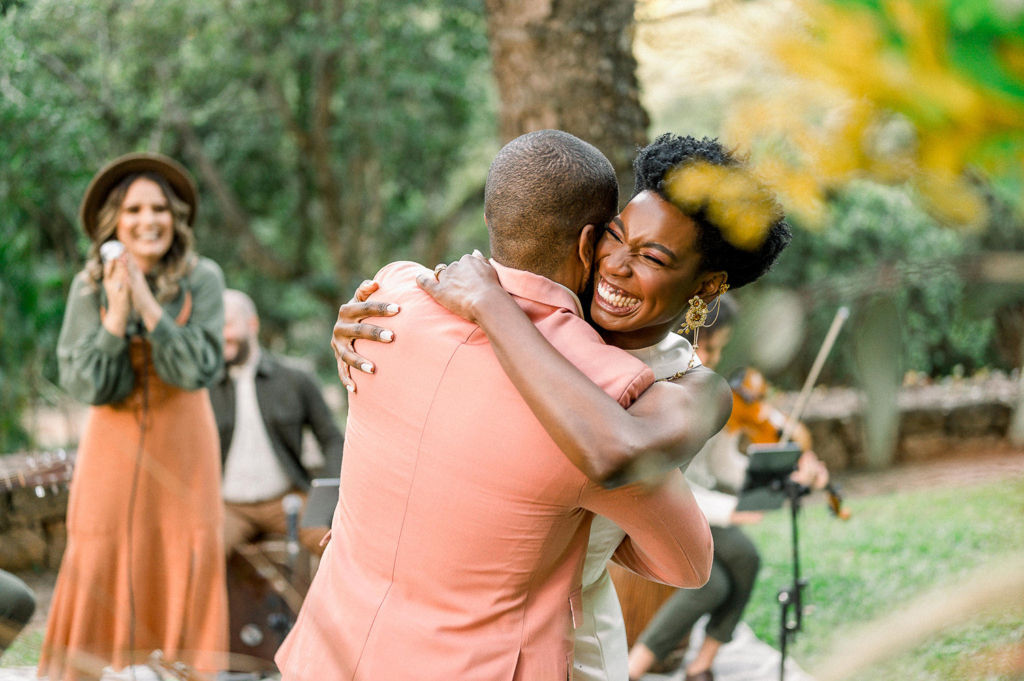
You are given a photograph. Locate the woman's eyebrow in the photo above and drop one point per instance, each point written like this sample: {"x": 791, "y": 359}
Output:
{"x": 650, "y": 244}
{"x": 659, "y": 247}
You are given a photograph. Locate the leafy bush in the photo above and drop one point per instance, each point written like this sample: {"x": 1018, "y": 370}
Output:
{"x": 878, "y": 242}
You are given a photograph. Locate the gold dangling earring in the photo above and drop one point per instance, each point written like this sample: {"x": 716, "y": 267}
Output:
{"x": 697, "y": 316}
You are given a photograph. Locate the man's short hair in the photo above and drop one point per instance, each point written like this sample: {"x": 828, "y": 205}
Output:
{"x": 655, "y": 162}
{"x": 542, "y": 189}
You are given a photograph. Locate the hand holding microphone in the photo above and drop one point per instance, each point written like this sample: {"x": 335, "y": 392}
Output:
{"x": 116, "y": 286}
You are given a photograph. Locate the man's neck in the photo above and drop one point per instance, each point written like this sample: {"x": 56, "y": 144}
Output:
{"x": 567, "y": 277}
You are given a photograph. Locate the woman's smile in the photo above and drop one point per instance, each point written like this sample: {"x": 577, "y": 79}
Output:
{"x": 615, "y": 300}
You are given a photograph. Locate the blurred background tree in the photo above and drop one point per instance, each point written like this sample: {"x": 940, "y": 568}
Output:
{"x": 570, "y": 66}
{"x": 328, "y": 138}
{"x": 331, "y": 136}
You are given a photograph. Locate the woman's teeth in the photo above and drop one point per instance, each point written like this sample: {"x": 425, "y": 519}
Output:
{"x": 615, "y": 297}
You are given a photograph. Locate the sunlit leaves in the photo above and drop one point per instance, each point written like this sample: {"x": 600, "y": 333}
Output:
{"x": 952, "y": 71}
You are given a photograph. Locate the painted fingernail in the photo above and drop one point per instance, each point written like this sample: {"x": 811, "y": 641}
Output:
{"x": 392, "y": 308}
{"x": 387, "y": 336}
{"x": 366, "y": 367}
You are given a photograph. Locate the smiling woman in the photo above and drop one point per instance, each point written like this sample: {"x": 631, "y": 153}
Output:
{"x": 645, "y": 270}
{"x": 141, "y": 340}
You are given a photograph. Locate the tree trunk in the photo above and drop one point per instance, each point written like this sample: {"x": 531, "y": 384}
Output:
{"x": 569, "y": 64}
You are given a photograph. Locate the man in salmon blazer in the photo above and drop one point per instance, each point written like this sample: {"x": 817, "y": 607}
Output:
{"x": 458, "y": 542}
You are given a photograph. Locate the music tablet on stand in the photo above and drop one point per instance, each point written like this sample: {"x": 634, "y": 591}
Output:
{"x": 769, "y": 464}
{"x": 323, "y": 498}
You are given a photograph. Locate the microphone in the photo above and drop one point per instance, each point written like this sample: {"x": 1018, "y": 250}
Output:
{"x": 111, "y": 250}
{"x": 292, "y": 506}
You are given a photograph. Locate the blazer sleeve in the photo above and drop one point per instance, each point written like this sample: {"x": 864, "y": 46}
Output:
{"x": 321, "y": 421}
{"x": 668, "y": 539}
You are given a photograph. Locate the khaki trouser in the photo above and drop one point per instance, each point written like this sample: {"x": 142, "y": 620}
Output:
{"x": 246, "y": 522}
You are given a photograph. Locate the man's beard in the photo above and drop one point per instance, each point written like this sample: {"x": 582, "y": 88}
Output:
{"x": 242, "y": 355}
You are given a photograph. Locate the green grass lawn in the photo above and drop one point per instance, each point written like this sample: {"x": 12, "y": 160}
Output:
{"x": 894, "y": 548}
{"x": 24, "y": 652}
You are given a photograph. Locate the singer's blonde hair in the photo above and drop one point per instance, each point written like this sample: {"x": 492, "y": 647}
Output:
{"x": 176, "y": 263}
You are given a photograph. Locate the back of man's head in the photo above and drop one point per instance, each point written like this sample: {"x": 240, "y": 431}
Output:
{"x": 542, "y": 189}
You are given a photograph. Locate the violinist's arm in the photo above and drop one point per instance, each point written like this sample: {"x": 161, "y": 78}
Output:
{"x": 663, "y": 429}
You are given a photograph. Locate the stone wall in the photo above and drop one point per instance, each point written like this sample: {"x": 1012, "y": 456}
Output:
{"x": 948, "y": 419}
{"x": 32, "y": 531}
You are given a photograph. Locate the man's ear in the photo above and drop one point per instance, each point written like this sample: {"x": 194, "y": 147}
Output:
{"x": 588, "y": 238}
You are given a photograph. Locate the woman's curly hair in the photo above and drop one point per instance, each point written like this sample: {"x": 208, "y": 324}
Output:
{"x": 741, "y": 227}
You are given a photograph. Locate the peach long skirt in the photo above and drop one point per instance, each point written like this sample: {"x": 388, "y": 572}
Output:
{"x": 156, "y": 581}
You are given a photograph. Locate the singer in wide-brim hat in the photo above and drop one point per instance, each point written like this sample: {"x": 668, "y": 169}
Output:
{"x": 141, "y": 341}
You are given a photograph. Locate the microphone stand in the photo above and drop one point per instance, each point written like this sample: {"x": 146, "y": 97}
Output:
{"x": 791, "y": 596}
{"x": 280, "y": 622}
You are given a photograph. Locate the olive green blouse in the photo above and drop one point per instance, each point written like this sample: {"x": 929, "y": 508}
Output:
{"x": 94, "y": 364}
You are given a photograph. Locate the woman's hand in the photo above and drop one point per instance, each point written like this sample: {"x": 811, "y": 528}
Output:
{"x": 349, "y": 328}
{"x": 467, "y": 287}
{"x": 119, "y": 296}
{"x": 143, "y": 300}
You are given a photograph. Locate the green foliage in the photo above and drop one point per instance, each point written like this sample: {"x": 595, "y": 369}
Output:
{"x": 327, "y": 139}
{"x": 982, "y": 43}
{"x": 877, "y": 241}
{"x": 893, "y": 549}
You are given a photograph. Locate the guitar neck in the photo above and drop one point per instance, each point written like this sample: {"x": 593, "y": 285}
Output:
{"x": 41, "y": 470}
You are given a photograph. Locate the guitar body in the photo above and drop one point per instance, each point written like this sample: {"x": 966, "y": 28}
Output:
{"x": 640, "y": 599}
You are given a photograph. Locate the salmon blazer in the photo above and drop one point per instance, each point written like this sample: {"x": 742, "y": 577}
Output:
{"x": 459, "y": 538}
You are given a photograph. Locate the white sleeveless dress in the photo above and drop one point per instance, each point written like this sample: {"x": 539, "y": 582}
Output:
{"x": 601, "y": 650}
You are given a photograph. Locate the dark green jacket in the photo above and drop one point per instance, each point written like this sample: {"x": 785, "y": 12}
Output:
{"x": 289, "y": 399}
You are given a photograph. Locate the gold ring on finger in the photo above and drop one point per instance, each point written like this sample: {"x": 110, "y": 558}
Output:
{"x": 438, "y": 270}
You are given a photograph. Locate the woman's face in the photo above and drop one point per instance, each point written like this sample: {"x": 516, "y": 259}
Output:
{"x": 710, "y": 351}
{"x": 646, "y": 269}
{"x": 145, "y": 224}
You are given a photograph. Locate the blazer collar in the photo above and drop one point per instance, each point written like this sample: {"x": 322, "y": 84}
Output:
{"x": 537, "y": 288}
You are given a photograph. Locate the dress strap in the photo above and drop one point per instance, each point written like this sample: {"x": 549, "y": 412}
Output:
{"x": 186, "y": 310}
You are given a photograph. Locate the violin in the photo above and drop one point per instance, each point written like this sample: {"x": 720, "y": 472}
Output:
{"x": 760, "y": 423}
{"x": 835, "y": 502}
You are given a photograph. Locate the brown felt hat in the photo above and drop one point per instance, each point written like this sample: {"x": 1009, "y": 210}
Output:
{"x": 121, "y": 167}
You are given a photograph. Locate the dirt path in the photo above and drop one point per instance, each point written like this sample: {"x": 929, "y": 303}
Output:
{"x": 972, "y": 468}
